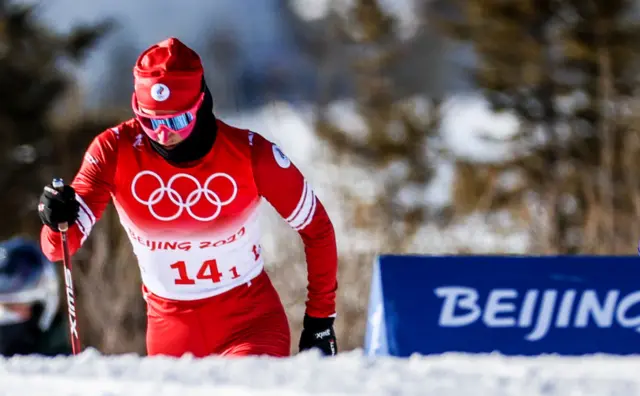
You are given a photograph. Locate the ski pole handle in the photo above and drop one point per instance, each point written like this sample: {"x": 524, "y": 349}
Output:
{"x": 58, "y": 184}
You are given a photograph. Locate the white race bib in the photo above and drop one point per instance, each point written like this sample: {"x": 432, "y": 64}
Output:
{"x": 193, "y": 269}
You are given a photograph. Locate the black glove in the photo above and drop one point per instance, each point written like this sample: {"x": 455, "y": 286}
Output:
{"x": 318, "y": 333}
{"x": 57, "y": 207}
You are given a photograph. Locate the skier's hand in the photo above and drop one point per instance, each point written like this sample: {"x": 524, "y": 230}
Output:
{"x": 57, "y": 207}
{"x": 319, "y": 333}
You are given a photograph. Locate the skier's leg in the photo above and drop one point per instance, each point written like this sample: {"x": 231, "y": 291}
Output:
{"x": 258, "y": 348}
{"x": 256, "y": 323}
{"x": 173, "y": 333}
{"x": 269, "y": 335}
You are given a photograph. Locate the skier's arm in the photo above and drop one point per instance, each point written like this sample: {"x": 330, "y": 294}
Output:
{"x": 93, "y": 184}
{"x": 281, "y": 183}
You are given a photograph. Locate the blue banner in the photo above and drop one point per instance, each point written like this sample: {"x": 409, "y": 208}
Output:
{"x": 520, "y": 305}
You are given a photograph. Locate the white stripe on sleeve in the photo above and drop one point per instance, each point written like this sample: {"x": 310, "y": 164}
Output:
{"x": 303, "y": 213}
{"x": 309, "y": 217}
{"x": 86, "y": 219}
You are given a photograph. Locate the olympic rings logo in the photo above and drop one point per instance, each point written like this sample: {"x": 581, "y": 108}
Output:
{"x": 192, "y": 199}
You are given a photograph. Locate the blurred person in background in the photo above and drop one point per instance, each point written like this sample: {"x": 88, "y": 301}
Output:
{"x": 30, "y": 320}
{"x": 188, "y": 188}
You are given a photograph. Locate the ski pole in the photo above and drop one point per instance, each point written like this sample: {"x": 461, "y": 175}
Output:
{"x": 58, "y": 184}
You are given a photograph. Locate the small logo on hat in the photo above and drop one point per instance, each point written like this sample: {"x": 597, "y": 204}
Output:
{"x": 160, "y": 92}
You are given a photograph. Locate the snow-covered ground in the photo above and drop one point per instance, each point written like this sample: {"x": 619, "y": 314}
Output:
{"x": 307, "y": 374}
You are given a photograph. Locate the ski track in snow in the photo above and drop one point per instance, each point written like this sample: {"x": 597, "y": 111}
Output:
{"x": 351, "y": 373}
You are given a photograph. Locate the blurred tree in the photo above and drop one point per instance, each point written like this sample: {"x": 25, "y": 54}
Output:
{"x": 32, "y": 78}
{"x": 116, "y": 86}
{"x": 397, "y": 132}
{"x": 568, "y": 70}
{"x": 394, "y": 84}
{"x": 331, "y": 43}
{"x": 223, "y": 59}
{"x": 45, "y": 131}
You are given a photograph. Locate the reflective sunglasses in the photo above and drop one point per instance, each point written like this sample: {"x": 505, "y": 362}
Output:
{"x": 179, "y": 123}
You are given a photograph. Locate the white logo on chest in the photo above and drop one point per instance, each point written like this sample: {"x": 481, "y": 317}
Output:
{"x": 163, "y": 192}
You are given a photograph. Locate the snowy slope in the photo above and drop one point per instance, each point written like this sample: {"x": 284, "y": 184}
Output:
{"x": 308, "y": 374}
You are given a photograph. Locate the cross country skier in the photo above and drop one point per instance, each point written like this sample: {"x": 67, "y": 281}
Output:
{"x": 187, "y": 188}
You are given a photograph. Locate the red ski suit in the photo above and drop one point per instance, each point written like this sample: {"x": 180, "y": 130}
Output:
{"x": 196, "y": 234}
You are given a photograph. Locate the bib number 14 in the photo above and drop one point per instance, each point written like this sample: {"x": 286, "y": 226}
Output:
{"x": 208, "y": 272}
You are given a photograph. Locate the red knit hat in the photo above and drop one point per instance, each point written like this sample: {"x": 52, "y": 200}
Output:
{"x": 168, "y": 76}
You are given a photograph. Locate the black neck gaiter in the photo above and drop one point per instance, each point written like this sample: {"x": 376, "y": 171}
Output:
{"x": 200, "y": 141}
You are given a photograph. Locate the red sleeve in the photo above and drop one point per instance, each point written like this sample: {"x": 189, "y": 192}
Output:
{"x": 285, "y": 188}
{"x": 93, "y": 185}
